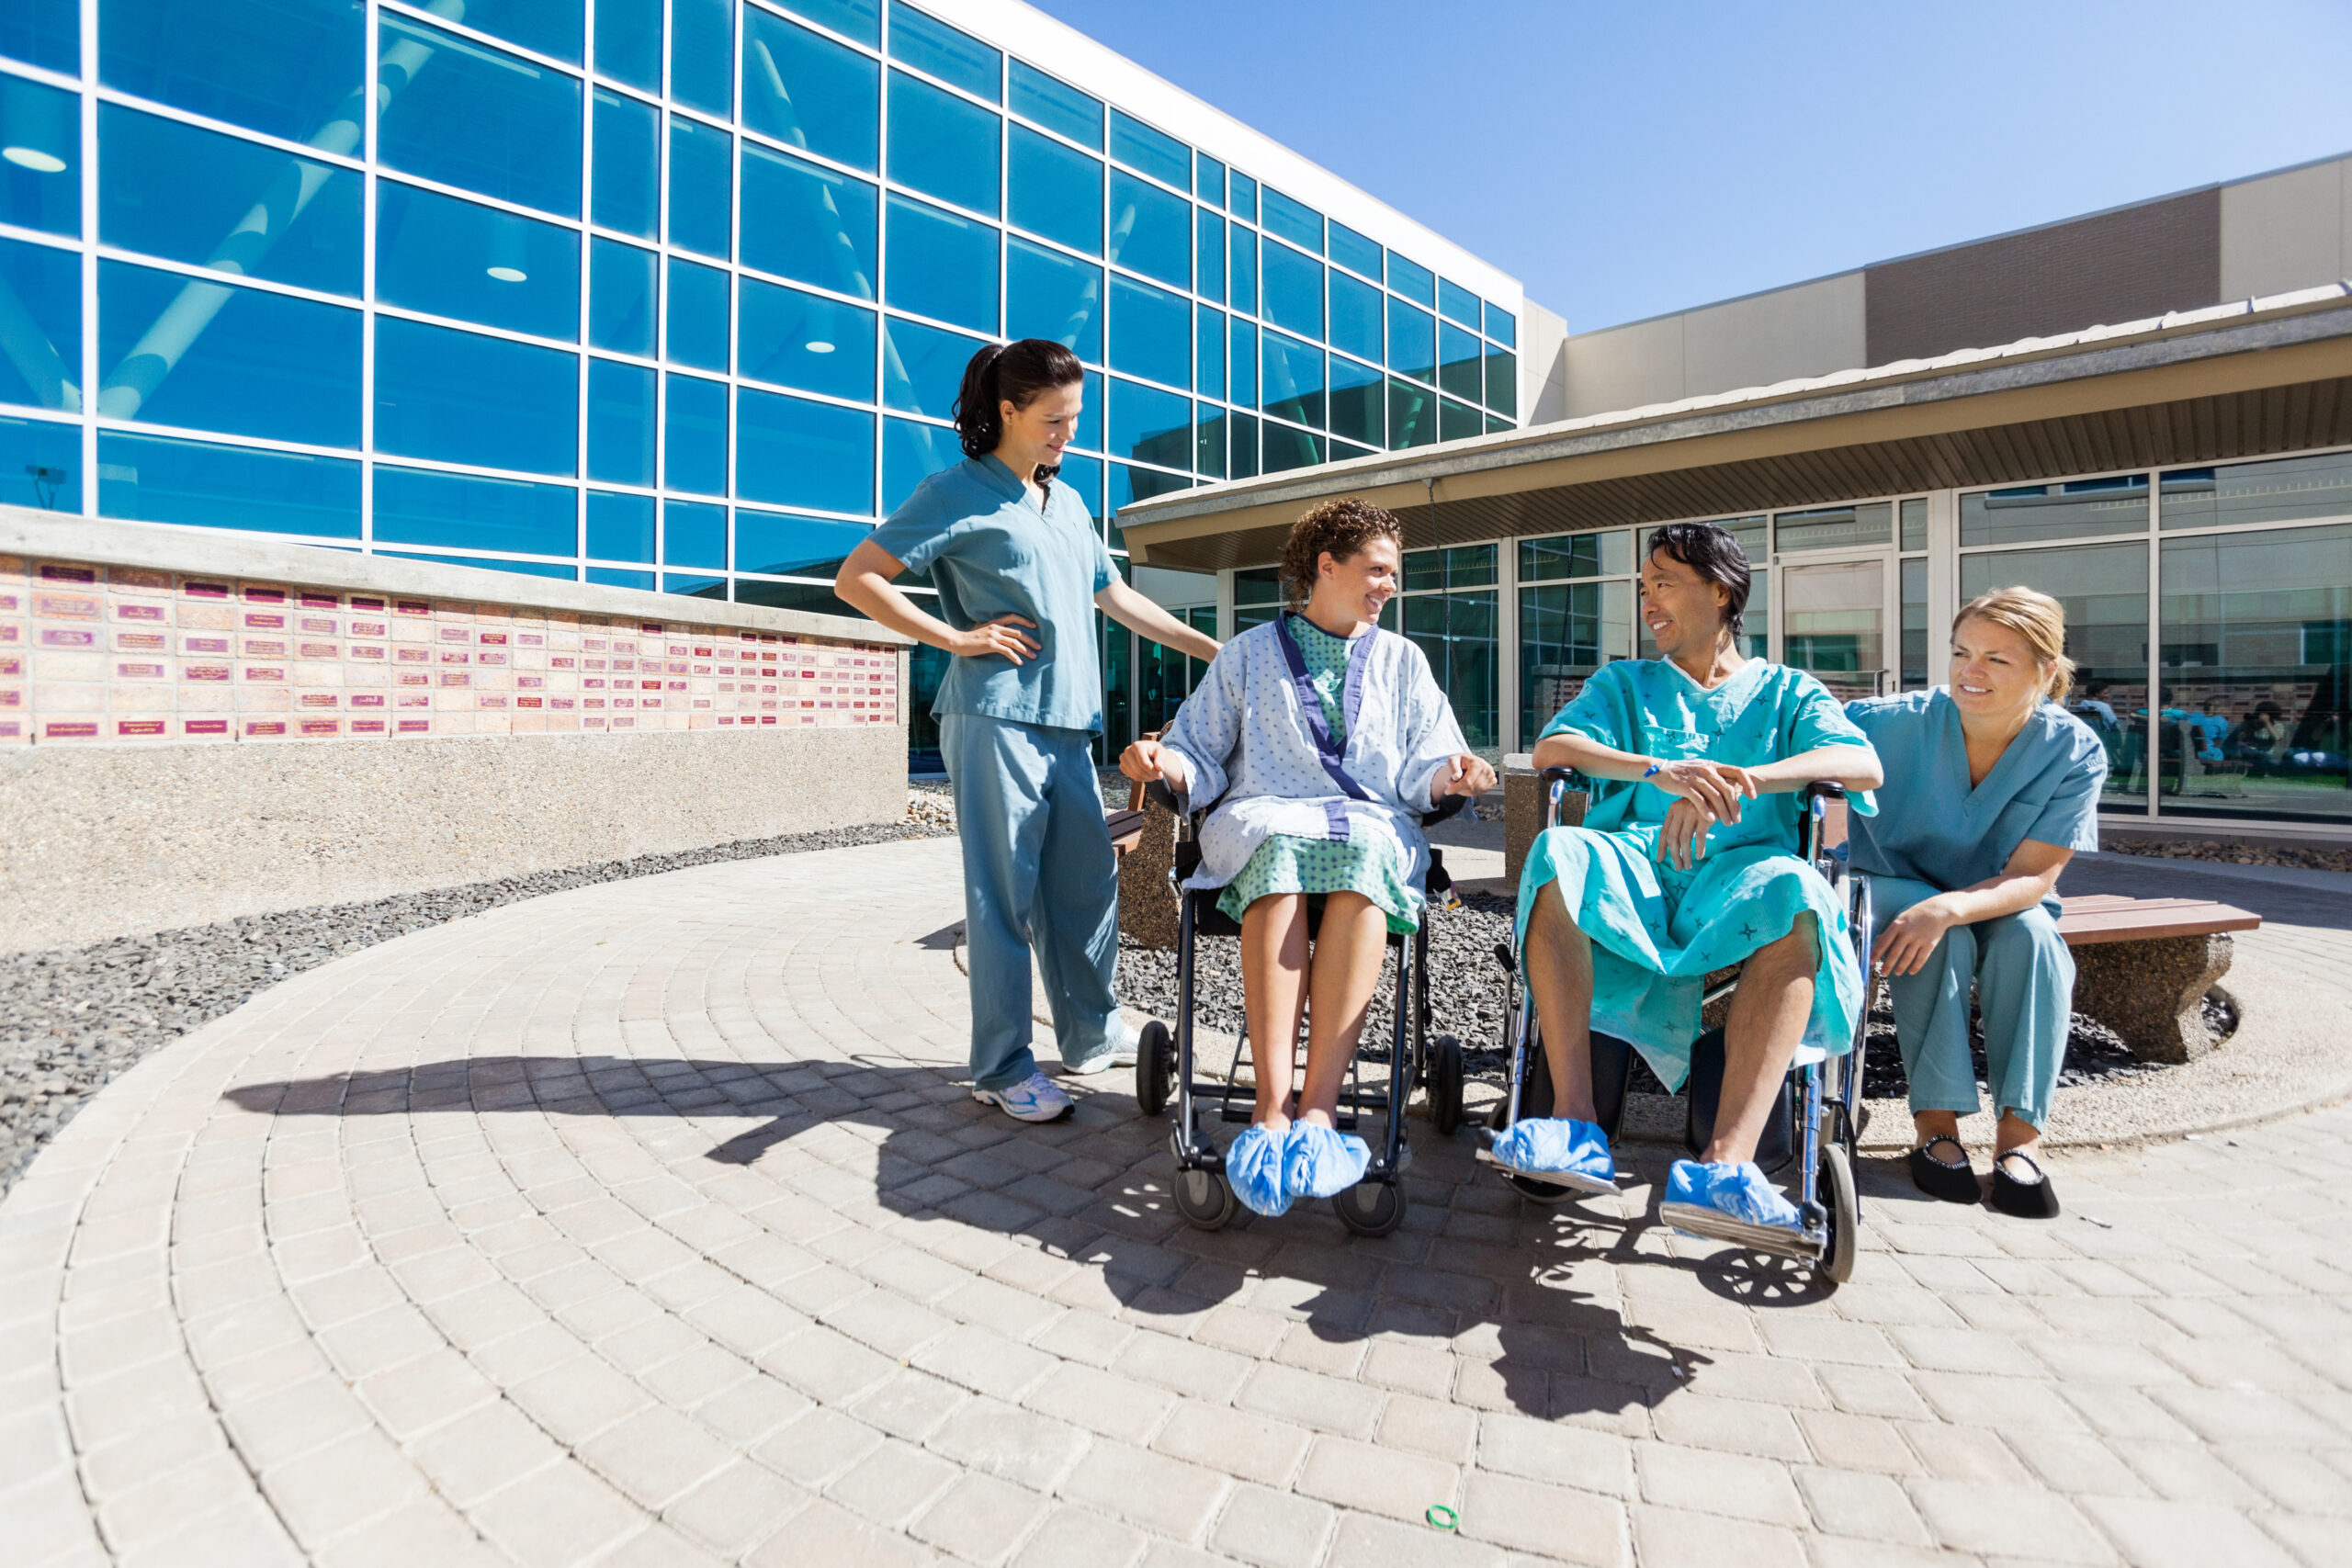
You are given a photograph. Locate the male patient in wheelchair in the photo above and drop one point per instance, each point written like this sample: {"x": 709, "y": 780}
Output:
{"x": 1687, "y": 866}
{"x": 1323, "y": 739}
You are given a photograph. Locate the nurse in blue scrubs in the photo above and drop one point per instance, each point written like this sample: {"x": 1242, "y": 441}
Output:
{"x": 1021, "y": 570}
{"x": 1991, "y": 787}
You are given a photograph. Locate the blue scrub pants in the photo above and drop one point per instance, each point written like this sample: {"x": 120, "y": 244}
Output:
{"x": 2025, "y": 988}
{"x": 1037, "y": 866}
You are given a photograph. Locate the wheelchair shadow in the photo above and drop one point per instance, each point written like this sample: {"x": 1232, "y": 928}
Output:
{"x": 1516, "y": 1294}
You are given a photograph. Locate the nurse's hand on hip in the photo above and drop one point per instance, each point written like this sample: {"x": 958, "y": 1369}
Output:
{"x": 997, "y": 636}
{"x": 1148, "y": 760}
{"x": 1463, "y": 774}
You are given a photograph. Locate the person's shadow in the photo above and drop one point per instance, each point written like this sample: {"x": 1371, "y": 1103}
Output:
{"x": 1517, "y": 1281}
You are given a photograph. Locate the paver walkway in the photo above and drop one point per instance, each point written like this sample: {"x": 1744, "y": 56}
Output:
{"x": 648, "y": 1223}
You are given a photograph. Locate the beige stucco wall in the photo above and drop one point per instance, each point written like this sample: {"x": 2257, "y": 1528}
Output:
{"x": 1808, "y": 328}
{"x": 1543, "y": 364}
{"x": 2288, "y": 230}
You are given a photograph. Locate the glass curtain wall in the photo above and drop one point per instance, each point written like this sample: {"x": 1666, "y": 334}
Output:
{"x": 1448, "y": 607}
{"x": 1575, "y": 613}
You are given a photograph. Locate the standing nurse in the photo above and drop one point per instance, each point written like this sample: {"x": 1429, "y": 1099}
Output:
{"x": 1991, "y": 787}
{"x": 1020, "y": 568}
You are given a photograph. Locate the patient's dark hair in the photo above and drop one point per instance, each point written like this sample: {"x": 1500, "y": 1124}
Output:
{"x": 1342, "y": 526}
{"x": 1013, "y": 373}
{"x": 1715, "y": 553}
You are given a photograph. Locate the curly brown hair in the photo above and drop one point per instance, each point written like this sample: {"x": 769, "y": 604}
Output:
{"x": 1343, "y": 525}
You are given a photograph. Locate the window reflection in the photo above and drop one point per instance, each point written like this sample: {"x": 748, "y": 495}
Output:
{"x": 696, "y": 300}
{"x": 1456, "y": 303}
{"x": 1834, "y": 626}
{"x": 923, "y": 368}
{"x": 47, "y": 33}
{"x": 1049, "y": 295}
{"x": 784, "y": 546}
{"x": 944, "y": 146}
{"x": 1285, "y": 448}
{"x": 942, "y": 265}
{"x": 1157, "y": 154}
{"x": 1293, "y": 290}
{"x": 1208, "y": 349}
{"x": 1412, "y": 415}
{"x": 2077, "y": 508}
{"x": 693, "y": 434}
{"x": 1356, "y": 314}
{"x": 415, "y": 506}
{"x": 1293, "y": 220}
{"x": 1835, "y": 527}
{"x": 1457, "y": 632}
{"x": 808, "y": 91}
{"x": 620, "y": 423}
{"x": 1053, "y": 190}
{"x": 456, "y": 258}
{"x": 1457, "y": 366}
{"x": 1567, "y": 631}
{"x": 40, "y": 329}
{"x": 792, "y": 452}
{"x": 207, "y": 356}
{"x": 627, "y": 184}
{"x": 620, "y": 527}
{"x": 291, "y": 68}
{"x": 1412, "y": 279}
{"x": 694, "y": 533}
{"x": 1150, "y": 425}
{"x": 40, "y": 465}
{"x": 1241, "y": 250}
{"x": 628, "y": 42}
{"x": 40, "y": 157}
{"x": 458, "y": 397}
{"x": 1359, "y": 400}
{"x": 2103, "y": 589}
{"x": 910, "y": 454}
{"x": 1150, "y": 332}
{"x": 1503, "y": 382}
{"x": 702, "y": 54}
{"x": 462, "y": 114}
{"x": 1057, "y": 105}
{"x": 1151, "y": 232}
{"x": 804, "y": 340}
{"x": 620, "y": 298}
{"x": 195, "y": 195}
{"x": 1412, "y": 340}
{"x": 931, "y": 45}
{"x": 155, "y": 478}
{"x": 2279, "y": 491}
{"x": 1293, "y": 373}
{"x": 808, "y": 223}
{"x": 1457, "y": 421}
{"x": 701, "y": 182}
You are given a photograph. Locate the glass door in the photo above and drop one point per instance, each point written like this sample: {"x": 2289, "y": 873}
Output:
{"x": 1833, "y": 624}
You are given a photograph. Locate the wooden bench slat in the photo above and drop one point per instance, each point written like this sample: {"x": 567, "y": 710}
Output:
{"x": 2096, "y": 919}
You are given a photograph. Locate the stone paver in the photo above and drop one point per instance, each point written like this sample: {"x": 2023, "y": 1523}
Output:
{"x": 651, "y": 1223}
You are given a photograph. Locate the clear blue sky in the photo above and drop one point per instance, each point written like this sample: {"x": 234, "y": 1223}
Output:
{"x": 1633, "y": 158}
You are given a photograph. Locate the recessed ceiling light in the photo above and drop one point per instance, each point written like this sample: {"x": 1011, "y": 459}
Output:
{"x": 33, "y": 158}
{"x": 509, "y": 273}
{"x": 821, "y": 348}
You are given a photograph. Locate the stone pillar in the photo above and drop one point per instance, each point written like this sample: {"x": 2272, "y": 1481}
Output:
{"x": 1147, "y": 902}
{"x": 2153, "y": 993}
{"x": 1523, "y": 811}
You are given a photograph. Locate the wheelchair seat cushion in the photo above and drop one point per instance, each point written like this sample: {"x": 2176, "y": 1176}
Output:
{"x": 1322, "y": 1162}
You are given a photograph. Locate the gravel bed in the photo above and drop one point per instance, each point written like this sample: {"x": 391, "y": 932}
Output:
{"x": 73, "y": 1019}
{"x": 2232, "y": 854}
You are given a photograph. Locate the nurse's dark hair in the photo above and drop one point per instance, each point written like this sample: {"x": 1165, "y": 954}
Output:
{"x": 1012, "y": 373}
{"x": 1342, "y": 526}
{"x": 2039, "y": 623}
{"x": 1715, "y": 553}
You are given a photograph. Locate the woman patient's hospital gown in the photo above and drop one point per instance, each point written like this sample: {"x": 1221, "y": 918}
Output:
{"x": 1657, "y": 930}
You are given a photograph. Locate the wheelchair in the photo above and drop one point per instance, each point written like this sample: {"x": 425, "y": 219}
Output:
{"x": 1165, "y": 1067}
{"x": 1816, "y": 1118}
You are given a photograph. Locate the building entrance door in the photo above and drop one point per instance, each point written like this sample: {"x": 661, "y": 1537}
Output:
{"x": 1833, "y": 624}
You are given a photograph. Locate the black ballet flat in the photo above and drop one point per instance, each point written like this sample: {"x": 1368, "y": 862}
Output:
{"x": 1940, "y": 1178}
{"x": 2027, "y": 1200}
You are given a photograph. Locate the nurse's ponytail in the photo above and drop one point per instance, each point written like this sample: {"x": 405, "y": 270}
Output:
{"x": 1008, "y": 373}
{"x": 2040, "y": 620}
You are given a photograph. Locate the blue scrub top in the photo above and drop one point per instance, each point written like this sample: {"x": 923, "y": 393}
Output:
{"x": 991, "y": 552}
{"x": 1932, "y": 828}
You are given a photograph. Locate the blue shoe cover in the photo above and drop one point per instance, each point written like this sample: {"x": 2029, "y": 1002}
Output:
{"x": 1739, "y": 1192}
{"x": 1254, "y": 1168}
{"x": 1322, "y": 1162}
{"x": 1558, "y": 1145}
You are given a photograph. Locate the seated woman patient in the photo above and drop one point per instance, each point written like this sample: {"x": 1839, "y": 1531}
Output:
{"x": 1687, "y": 864}
{"x": 1991, "y": 787}
{"x": 1323, "y": 739}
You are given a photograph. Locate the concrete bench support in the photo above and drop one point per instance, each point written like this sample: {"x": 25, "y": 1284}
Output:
{"x": 2151, "y": 992}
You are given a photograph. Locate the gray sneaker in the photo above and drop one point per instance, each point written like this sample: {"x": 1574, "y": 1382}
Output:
{"x": 1035, "y": 1099}
{"x": 1120, "y": 1053}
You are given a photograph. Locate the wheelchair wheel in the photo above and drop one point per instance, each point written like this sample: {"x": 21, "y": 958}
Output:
{"x": 1371, "y": 1208}
{"x": 1204, "y": 1199}
{"x": 1445, "y": 1084}
{"x": 1155, "y": 1068}
{"x": 1845, "y": 1219}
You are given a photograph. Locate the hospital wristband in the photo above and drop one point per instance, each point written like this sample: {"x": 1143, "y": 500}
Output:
{"x": 1654, "y": 769}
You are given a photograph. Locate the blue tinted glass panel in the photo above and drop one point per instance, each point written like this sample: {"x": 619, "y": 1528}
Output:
{"x": 478, "y": 119}
{"x": 1456, "y": 421}
{"x": 552, "y": 27}
{"x": 259, "y": 364}
{"x": 702, "y": 178}
{"x": 808, "y": 223}
{"x": 791, "y": 452}
{"x": 1090, "y": 415}
{"x": 466, "y": 512}
{"x": 1208, "y": 339}
{"x": 620, "y": 527}
{"x": 1412, "y": 279}
{"x": 1150, "y": 332}
{"x": 1084, "y": 478}
{"x": 172, "y": 190}
{"x": 1288, "y": 448}
{"x": 461, "y": 398}
{"x": 696, "y": 587}
{"x": 923, "y": 368}
{"x": 783, "y": 545}
{"x": 910, "y": 454}
{"x": 41, "y": 136}
{"x": 1458, "y": 354}
{"x": 1150, "y": 425}
{"x": 1209, "y": 179}
{"x": 628, "y": 41}
{"x": 1412, "y": 340}
{"x": 805, "y": 341}
{"x": 1055, "y": 191}
{"x": 1456, "y": 303}
{"x": 1049, "y": 295}
{"x": 628, "y": 176}
{"x": 614, "y": 577}
{"x": 1057, "y": 105}
{"x": 1243, "y": 191}
{"x": 620, "y": 298}
{"x": 40, "y": 465}
{"x": 957, "y": 58}
{"x": 287, "y": 67}
{"x": 1155, "y": 152}
{"x": 1412, "y": 415}
{"x": 1138, "y": 484}
{"x": 1358, "y": 399}
{"x": 1294, "y": 381}
{"x": 1293, "y": 220}
{"x": 1241, "y": 249}
{"x": 1355, "y": 316}
{"x": 47, "y": 33}
{"x": 40, "y": 338}
{"x": 1241, "y": 450}
{"x": 153, "y": 479}
{"x": 697, "y": 316}
{"x": 808, "y": 91}
{"x": 1209, "y": 255}
{"x": 1208, "y": 440}
{"x": 942, "y": 265}
{"x": 694, "y": 533}
{"x": 693, "y": 434}
{"x": 491, "y": 563}
{"x": 1151, "y": 232}
{"x": 943, "y": 145}
{"x": 620, "y": 426}
{"x": 456, "y": 258}
{"x": 1244, "y": 362}
{"x": 1501, "y": 325}
{"x": 860, "y": 20}
{"x": 1293, "y": 290}
{"x": 1355, "y": 251}
{"x": 702, "y": 54}
{"x": 1502, "y": 381}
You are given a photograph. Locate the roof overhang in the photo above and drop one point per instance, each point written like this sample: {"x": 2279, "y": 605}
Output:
{"x": 2259, "y": 376}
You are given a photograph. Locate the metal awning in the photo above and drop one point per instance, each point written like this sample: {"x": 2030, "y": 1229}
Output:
{"x": 2256, "y": 376}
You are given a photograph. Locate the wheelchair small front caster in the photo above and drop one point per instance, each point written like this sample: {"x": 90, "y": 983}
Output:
{"x": 1445, "y": 1084}
{"x": 1206, "y": 1199}
{"x": 1155, "y": 1068}
{"x": 1371, "y": 1208}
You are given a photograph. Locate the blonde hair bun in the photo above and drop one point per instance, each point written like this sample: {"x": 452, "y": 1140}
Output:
{"x": 2040, "y": 620}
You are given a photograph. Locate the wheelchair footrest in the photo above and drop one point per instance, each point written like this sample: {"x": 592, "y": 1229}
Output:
{"x": 1567, "y": 1181}
{"x": 1714, "y": 1224}
{"x": 1200, "y": 1155}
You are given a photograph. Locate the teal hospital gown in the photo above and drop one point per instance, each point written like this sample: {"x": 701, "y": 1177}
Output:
{"x": 1284, "y": 863}
{"x": 1658, "y": 931}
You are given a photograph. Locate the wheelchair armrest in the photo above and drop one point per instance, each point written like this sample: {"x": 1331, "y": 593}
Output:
{"x": 1450, "y": 807}
{"x": 1824, "y": 789}
{"x": 1159, "y": 794}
